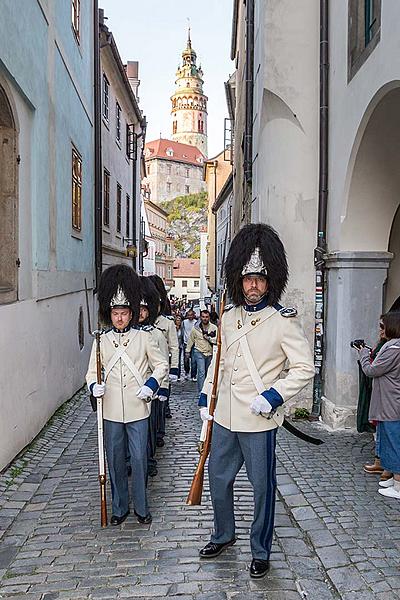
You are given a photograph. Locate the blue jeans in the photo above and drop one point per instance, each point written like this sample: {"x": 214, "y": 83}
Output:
{"x": 202, "y": 363}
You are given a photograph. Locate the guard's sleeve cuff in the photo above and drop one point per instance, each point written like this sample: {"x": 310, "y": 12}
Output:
{"x": 152, "y": 383}
{"x": 273, "y": 397}
{"x": 202, "y": 400}
{"x": 173, "y": 371}
{"x": 163, "y": 392}
{"x": 91, "y": 386}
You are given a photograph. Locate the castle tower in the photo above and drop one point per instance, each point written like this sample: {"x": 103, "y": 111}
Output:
{"x": 189, "y": 104}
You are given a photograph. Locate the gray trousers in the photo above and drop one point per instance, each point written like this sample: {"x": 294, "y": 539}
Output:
{"x": 229, "y": 450}
{"x": 117, "y": 438}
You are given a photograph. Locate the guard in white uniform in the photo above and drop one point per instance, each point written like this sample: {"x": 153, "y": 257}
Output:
{"x": 133, "y": 368}
{"x": 260, "y": 340}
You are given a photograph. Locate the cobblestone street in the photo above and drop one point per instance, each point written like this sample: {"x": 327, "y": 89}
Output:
{"x": 335, "y": 537}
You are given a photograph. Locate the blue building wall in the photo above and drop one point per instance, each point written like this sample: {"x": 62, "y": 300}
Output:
{"x": 39, "y": 53}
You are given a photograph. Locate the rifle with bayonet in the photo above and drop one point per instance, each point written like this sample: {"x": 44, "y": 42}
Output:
{"x": 99, "y": 409}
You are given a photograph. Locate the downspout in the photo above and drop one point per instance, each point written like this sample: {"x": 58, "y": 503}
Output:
{"x": 98, "y": 242}
{"x": 321, "y": 248}
{"x": 135, "y": 259}
{"x": 248, "y": 140}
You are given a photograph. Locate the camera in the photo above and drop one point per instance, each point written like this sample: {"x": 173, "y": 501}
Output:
{"x": 357, "y": 344}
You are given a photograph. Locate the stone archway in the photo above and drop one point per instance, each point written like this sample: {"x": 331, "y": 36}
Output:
{"x": 363, "y": 272}
{"x": 8, "y": 203}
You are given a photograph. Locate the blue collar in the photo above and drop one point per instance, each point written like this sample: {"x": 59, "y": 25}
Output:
{"x": 256, "y": 307}
{"x": 122, "y": 330}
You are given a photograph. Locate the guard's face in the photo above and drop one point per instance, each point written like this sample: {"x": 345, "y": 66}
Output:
{"x": 143, "y": 314}
{"x": 121, "y": 317}
{"x": 254, "y": 288}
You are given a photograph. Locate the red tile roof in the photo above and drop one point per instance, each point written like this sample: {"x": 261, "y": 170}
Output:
{"x": 175, "y": 151}
{"x": 186, "y": 267}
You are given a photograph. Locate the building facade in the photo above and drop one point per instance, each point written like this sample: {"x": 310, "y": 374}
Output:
{"x": 217, "y": 170}
{"x": 46, "y": 210}
{"x": 121, "y": 139}
{"x": 172, "y": 169}
{"x": 189, "y": 103}
{"x": 318, "y": 117}
{"x": 157, "y": 219}
{"x": 186, "y": 283}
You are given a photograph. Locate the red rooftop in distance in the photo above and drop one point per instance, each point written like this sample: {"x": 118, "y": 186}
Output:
{"x": 170, "y": 150}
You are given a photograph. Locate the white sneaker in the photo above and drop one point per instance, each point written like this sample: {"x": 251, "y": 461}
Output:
{"x": 390, "y": 492}
{"x": 387, "y": 483}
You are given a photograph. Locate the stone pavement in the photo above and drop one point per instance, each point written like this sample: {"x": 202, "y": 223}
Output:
{"x": 335, "y": 536}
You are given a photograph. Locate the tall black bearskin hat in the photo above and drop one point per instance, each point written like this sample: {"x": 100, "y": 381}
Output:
{"x": 256, "y": 248}
{"x": 151, "y": 298}
{"x": 119, "y": 287}
{"x": 165, "y": 307}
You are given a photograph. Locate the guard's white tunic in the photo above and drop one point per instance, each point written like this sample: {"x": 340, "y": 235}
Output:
{"x": 277, "y": 345}
{"x": 141, "y": 349}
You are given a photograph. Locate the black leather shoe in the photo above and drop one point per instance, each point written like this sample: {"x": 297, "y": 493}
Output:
{"x": 144, "y": 520}
{"x": 168, "y": 415}
{"x": 212, "y": 550}
{"x": 118, "y": 520}
{"x": 259, "y": 568}
{"x": 160, "y": 443}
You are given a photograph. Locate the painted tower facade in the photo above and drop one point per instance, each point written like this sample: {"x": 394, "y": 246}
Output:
{"x": 189, "y": 104}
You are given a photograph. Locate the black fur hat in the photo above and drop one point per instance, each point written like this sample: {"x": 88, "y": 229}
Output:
{"x": 150, "y": 295}
{"x": 118, "y": 276}
{"x": 165, "y": 307}
{"x": 273, "y": 255}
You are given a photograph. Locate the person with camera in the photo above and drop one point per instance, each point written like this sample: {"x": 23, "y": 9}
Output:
{"x": 202, "y": 339}
{"x": 385, "y": 399}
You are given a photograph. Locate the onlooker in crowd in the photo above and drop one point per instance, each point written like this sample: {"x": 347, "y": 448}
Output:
{"x": 364, "y": 399}
{"x": 178, "y": 325}
{"x": 214, "y": 318}
{"x": 187, "y": 326}
{"x": 202, "y": 339}
{"x": 385, "y": 400}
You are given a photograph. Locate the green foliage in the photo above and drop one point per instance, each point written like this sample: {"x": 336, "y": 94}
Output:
{"x": 301, "y": 413}
{"x": 178, "y": 207}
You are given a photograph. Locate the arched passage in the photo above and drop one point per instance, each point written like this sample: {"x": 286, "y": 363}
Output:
{"x": 8, "y": 202}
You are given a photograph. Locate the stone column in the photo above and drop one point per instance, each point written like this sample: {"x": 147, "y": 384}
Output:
{"x": 354, "y": 303}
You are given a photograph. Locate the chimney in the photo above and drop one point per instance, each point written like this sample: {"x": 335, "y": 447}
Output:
{"x": 132, "y": 71}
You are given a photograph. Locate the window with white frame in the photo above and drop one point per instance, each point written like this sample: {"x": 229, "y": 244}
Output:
{"x": 106, "y": 97}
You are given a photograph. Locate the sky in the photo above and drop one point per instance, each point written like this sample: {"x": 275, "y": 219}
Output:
{"x": 154, "y": 32}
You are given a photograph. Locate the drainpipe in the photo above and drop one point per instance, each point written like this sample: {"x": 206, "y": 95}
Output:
{"x": 248, "y": 140}
{"x": 321, "y": 248}
{"x": 97, "y": 148}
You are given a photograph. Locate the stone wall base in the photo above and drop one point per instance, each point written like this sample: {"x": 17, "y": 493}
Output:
{"x": 338, "y": 417}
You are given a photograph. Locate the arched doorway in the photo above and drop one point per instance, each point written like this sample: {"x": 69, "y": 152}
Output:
{"x": 392, "y": 287}
{"x": 8, "y": 203}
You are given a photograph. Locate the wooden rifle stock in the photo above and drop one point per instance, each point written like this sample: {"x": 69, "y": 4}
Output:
{"x": 196, "y": 489}
{"x": 100, "y": 436}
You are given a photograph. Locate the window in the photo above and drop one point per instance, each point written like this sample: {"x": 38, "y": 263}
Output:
{"x": 168, "y": 187}
{"x": 148, "y": 169}
{"x": 364, "y": 32}
{"x": 169, "y": 272}
{"x": 184, "y": 283}
{"x": 196, "y": 283}
{"x": 118, "y": 122}
{"x": 76, "y": 190}
{"x": 168, "y": 169}
{"x": 174, "y": 127}
{"x": 106, "y": 95}
{"x": 119, "y": 207}
{"x": 186, "y": 172}
{"x": 75, "y": 17}
{"x": 106, "y": 198}
{"x": 128, "y": 216}
{"x": 187, "y": 189}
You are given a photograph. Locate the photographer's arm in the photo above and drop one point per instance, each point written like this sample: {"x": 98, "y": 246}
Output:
{"x": 382, "y": 364}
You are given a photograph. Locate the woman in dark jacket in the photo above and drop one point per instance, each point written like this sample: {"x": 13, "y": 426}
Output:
{"x": 385, "y": 400}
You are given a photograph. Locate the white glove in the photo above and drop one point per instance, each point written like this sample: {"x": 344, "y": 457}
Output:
{"x": 145, "y": 393}
{"x": 173, "y": 377}
{"x": 98, "y": 389}
{"x": 260, "y": 405}
{"x": 162, "y": 398}
{"x": 204, "y": 414}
